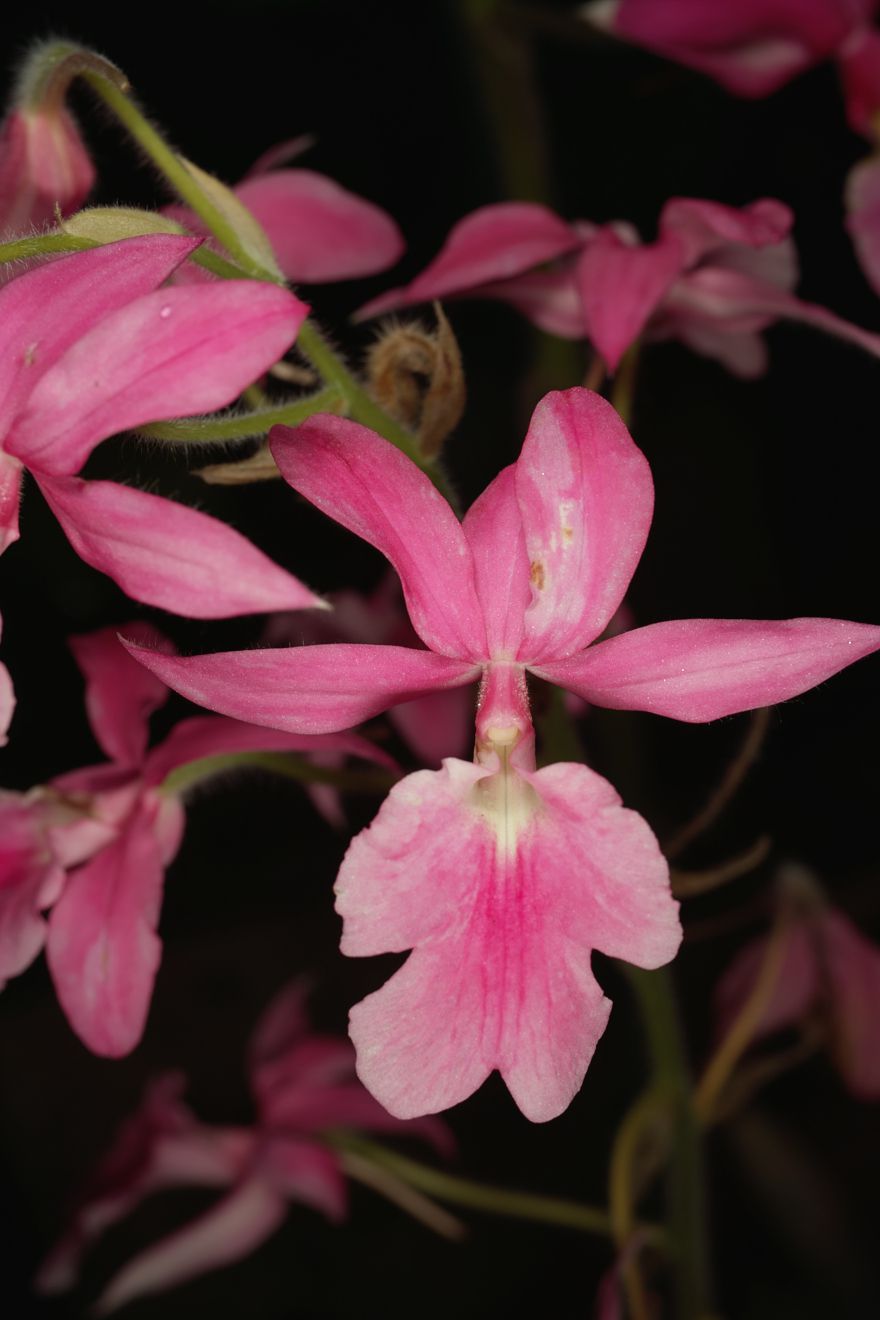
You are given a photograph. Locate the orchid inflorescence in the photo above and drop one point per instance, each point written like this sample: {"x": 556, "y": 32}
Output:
{"x": 499, "y": 873}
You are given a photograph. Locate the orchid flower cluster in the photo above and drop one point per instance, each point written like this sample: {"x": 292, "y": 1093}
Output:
{"x": 498, "y": 873}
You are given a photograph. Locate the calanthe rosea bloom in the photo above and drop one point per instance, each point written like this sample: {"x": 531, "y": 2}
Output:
{"x": 715, "y": 277}
{"x": 91, "y": 345}
{"x": 44, "y": 167}
{"x": 502, "y": 877}
{"x": 829, "y": 972}
{"x": 93, "y": 845}
{"x": 303, "y": 1084}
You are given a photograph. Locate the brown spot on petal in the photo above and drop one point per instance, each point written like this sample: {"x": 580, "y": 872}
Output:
{"x": 536, "y": 573}
{"x": 567, "y": 533}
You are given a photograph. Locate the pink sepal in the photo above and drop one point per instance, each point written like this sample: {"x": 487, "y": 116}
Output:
{"x": 301, "y": 1170}
{"x": 30, "y": 880}
{"x": 120, "y": 694}
{"x": 103, "y": 951}
{"x": 621, "y": 286}
{"x": 586, "y": 497}
{"x": 167, "y": 555}
{"x": 43, "y": 165}
{"x": 366, "y": 484}
{"x": 706, "y": 229}
{"x": 493, "y": 243}
{"x": 320, "y": 231}
{"x": 493, "y": 527}
{"x": 46, "y": 310}
{"x": 307, "y": 689}
{"x": 502, "y": 915}
{"x": 167, "y": 353}
{"x": 230, "y": 1230}
{"x": 701, "y": 669}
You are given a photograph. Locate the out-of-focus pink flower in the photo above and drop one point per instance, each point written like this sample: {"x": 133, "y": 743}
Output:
{"x": 715, "y": 278}
{"x": 90, "y": 345}
{"x": 434, "y": 726}
{"x": 502, "y": 877}
{"x": 828, "y": 970}
{"x": 753, "y": 47}
{"x": 302, "y": 1084}
{"x": 319, "y": 231}
{"x": 44, "y": 167}
{"x": 7, "y": 702}
{"x": 113, "y": 828}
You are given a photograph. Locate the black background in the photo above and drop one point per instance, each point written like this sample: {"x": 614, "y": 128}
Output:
{"x": 766, "y": 507}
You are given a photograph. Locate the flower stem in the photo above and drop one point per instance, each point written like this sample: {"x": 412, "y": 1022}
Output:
{"x": 479, "y": 1196}
{"x": 686, "y": 1214}
{"x": 243, "y": 425}
{"x": 185, "y": 777}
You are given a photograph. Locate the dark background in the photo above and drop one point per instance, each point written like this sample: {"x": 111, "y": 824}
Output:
{"x": 766, "y": 507}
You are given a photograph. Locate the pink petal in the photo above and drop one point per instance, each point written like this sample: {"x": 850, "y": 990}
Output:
{"x": 550, "y": 298}
{"x": 92, "y": 806}
{"x": 282, "y": 153}
{"x": 46, "y": 310}
{"x": 305, "y": 1172}
{"x": 586, "y": 497}
{"x": 120, "y": 694}
{"x": 504, "y": 893}
{"x": 30, "y": 878}
{"x": 863, "y": 216}
{"x": 307, "y": 689}
{"x": 103, "y": 950}
{"x": 858, "y": 64}
{"x": 228, "y": 1232}
{"x": 853, "y": 965}
{"x": 744, "y": 355}
{"x": 167, "y": 353}
{"x": 704, "y": 228}
{"x": 701, "y": 669}
{"x": 735, "y": 302}
{"x": 205, "y": 736}
{"x": 751, "y": 47}
{"x": 320, "y": 231}
{"x": 494, "y": 531}
{"x": 370, "y": 487}
{"x": 10, "y": 496}
{"x": 167, "y": 555}
{"x": 7, "y": 703}
{"x": 43, "y": 166}
{"x": 436, "y": 726}
{"x": 621, "y": 286}
{"x": 794, "y": 992}
{"x": 493, "y": 243}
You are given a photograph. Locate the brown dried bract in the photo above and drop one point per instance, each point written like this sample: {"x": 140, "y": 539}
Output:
{"x": 261, "y": 466}
{"x": 417, "y": 376}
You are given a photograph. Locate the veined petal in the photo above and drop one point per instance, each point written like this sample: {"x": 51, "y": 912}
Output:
{"x": 319, "y": 230}
{"x": 307, "y": 689}
{"x": 46, "y": 310}
{"x": 103, "y": 950}
{"x": 370, "y": 487}
{"x": 491, "y": 244}
{"x": 700, "y": 669}
{"x": 621, "y": 285}
{"x": 230, "y": 1230}
{"x": 505, "y": 884}
{"x": 165, "y": 554}
{"x": 493, "y": 526}
{"x": 215, "y": 735}
{"x": 586, "y": 497}
{"x": 120, "y": 694}
{"x": 168, "y": 353}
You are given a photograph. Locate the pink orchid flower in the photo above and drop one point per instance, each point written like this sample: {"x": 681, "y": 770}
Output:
{"x": 502, "y": 878}
{"x": 90, "y": 345}
{"x": 319, "y": 231}
{"x": 754, "y": 47}
{"x": 44, "y": 167}
{"x": 113, "y": 828}
{"x": 715, "y": 278}
{"x": 303, "y": 1084}
{"x": 828, "y": 969}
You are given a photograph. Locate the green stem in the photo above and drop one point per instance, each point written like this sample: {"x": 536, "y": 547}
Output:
{"x": 242, "y": 425}
{"x": 175, "y": 171}
{"x": 185, "y": 777}
{"x": 686, "y": 1213}
{"x": 478, "y": 1196}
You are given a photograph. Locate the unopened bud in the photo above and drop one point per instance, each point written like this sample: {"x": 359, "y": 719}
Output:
{"x": 107, "y": 224}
